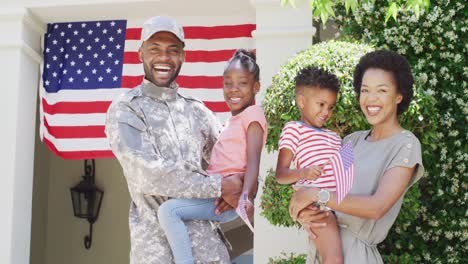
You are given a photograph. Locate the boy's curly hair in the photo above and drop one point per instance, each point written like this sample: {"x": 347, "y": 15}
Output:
{"x": 315, "y": 77}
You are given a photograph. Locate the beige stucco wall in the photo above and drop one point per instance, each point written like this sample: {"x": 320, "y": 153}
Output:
{"x": 39, "y": 200}
{"x": 65, "y": 232}
{"x": 56, "y": 235}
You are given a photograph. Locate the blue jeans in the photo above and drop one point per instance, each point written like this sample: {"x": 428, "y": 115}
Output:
{"x": 174, "y": 212}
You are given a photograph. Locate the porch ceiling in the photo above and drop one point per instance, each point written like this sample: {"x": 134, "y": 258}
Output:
{"x": 58, "y": 11}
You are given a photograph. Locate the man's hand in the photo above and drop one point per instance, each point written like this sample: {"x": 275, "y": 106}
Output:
{"x": 222, "y": 206}
{"x": 231, "y": 189}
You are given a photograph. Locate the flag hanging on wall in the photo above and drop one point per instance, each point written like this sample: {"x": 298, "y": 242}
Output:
{"x": 87, "y": 64}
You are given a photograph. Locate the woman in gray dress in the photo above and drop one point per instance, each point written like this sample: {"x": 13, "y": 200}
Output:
{"x": 387, "y": 162}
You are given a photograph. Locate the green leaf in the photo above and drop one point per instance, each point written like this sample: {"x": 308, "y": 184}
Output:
{"x": 329, "y": 8}
{"x": 284, "y": 2}
{"x": 312, "y": 4}
{"x": 324, "y": 17}
{"x": 416, "y": 11}
{"x": 427, "y": 4}
{"x": 347, "y": 6}
{"x": 354, "y": 5}
{"x": 392, "y": 11}
{"x": 316, "y": 13}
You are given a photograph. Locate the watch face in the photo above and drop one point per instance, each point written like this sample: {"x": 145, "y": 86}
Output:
{"x": 324, "y": 196}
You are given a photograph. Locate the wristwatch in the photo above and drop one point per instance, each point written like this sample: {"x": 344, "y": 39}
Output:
{"x": 323, "y": 198}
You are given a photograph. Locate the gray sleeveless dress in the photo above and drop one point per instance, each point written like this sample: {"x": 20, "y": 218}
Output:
{"x": 360, "y": 236}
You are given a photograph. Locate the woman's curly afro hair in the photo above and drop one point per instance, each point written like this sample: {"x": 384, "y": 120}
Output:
{"x": 391, "y": 62}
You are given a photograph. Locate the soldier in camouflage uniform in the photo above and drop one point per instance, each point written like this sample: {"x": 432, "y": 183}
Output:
{"x": 163, "y": 142}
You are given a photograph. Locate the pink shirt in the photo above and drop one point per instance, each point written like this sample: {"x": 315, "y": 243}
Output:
{"x": 311, "y": 146}
{"x": 229, "y": 154}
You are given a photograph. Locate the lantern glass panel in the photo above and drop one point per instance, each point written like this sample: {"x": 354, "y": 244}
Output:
{"x": 95, "y": 206}
{"x": 80, "y": 203}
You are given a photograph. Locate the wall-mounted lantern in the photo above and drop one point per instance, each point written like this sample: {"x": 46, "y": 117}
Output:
{"x": 86, "y": 199}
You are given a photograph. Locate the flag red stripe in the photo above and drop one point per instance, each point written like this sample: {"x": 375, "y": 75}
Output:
{"x": 131, "y": 57}
{"x": 209, "y": 82}
{"x": 75, "y": 107}
{"x": 133, "y": 34}
{"x": 217, "y": 106}
{"x": 217, "y": 32}
{"x": 208, "y": 55}
{"x": 339, "y": 177}
{"x": 131, "y": 81}
{"x": 101, "y": 107}
{"x": 212, "y": 82}
{"x": 79, "y": 155}
{"x": 75, "y": 131}
{"x": 335, "y": 168}
{"x": 199, "y": 32}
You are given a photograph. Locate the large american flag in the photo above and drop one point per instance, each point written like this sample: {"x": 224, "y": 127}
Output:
{"x": 86, "y": 64}
{"x": 343, "y": 166}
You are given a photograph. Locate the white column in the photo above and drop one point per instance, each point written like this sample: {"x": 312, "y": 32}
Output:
{"x": 20, "y": 60}
{"x": 281, "y": 32}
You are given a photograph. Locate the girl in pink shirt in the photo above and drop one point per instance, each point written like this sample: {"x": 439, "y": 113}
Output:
{"x": 237, "y": 151}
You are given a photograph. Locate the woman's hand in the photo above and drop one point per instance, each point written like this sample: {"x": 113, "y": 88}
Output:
{"x": 302, "y": 197}
{"x": 311, "y": 217}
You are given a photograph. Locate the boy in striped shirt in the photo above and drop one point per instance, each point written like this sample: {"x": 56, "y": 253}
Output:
{"x": 310, "y": 146}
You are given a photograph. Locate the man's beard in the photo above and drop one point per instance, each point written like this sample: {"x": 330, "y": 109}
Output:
{"x": 174, "y": 76}
{"x": 166, "y": 84}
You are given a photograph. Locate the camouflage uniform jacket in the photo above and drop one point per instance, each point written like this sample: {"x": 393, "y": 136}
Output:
{"x": 162, "y": 141}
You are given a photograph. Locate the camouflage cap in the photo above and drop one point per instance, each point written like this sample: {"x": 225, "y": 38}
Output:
{"x": 161, "y": 23}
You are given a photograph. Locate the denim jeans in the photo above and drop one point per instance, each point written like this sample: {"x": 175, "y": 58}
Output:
{"x": 174, "y": 212}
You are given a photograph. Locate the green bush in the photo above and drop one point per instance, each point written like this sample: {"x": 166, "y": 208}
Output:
{"x": 436, "y": 47}
{"x": 275, "y": 201}
{"x": 335, "y": 56}
{"x": 339, "y": 58}
{"x": 288, "y": 259}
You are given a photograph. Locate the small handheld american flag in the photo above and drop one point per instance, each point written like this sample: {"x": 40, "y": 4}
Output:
{"x": 240, "y": 210}
{"x": 343, "y": 166}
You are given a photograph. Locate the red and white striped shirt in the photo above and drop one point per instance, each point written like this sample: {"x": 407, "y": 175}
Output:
{"x": 311, "y": 147}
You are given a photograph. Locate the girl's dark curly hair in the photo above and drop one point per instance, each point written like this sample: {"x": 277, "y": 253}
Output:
{"x": 391, "y": 62}
{"x": 248, "y": 60}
